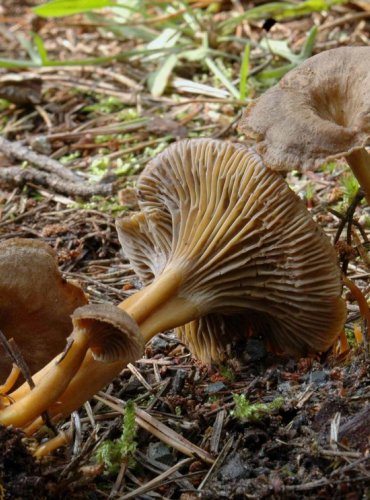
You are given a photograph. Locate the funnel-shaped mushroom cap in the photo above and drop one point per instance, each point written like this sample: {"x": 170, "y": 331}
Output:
{"x": 318, "y": 111}
{"x": 35, "y": 302}
{"x": 114, "y": 335}
{"x": 238, "y": 241}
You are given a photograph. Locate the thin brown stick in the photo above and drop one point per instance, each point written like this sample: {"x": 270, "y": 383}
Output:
{"x": 349, "y": 213}
{"x": 43, "y": 162}
{"x": 160, "y": 430}
{"x": 13, "y": 352}
{"x": 157, "y": 481}
{"x": 19, "y": 176}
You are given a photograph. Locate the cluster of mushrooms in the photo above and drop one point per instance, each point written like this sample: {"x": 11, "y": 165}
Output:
{"x": 223, "y": 247}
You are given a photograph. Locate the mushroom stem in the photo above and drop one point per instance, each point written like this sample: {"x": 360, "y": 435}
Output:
{"x": 359, "y": 161}
{"x": 50, "y": 387}
{"x": 157, "y": 307}
{"x": 11, "y": 380}
{"x": 65, "y": 386}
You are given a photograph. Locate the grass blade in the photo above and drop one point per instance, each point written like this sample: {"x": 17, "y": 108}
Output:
{"x": 60, "y": 8}
{"x": 160, "y": 78}
{"x": 309, "y": 43}
{"x": 39, "y": 44}
{"x": 279, "y": 11}
{"x": 244, "y": 71}
{"x": 222, "y": 77}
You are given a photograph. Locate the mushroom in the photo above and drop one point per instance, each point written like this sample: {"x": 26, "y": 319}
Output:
{"x": 318, "y": 112}
{"x": 35, "y": 302}
{"x": 110, "y": 335}
{"x": 220, "y": 239}
{"x": 219, "y": 233}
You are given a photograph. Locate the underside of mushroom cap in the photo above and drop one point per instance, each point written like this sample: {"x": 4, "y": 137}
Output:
{"x": 115, "y": 336}
{"x": 214, "y": 338}
{"x": 318, "y": 111}
{"x": 35, "y": 302}
{"x": 241, "y": 240}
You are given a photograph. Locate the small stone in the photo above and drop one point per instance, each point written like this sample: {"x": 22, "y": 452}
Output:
{"x": 234, "y": 469}
{"x": 318, "y": 378}
{"x": 178, "y": 382}
{"x": 216, "y": 387}
{"x": 261, "y": 471}
{"x": 285, "y": 388}
{"x": 160, "y": 452}
{"x": 256, "y": 349}
{"x": 41, "y": 144}
{"x": 159, "y": 344}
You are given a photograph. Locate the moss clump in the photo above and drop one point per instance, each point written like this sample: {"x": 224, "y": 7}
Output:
{"x": 254, "y": 412}
{"x": 113, "y": 453}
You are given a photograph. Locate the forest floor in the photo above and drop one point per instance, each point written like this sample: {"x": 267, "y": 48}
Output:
{"x": 104, "y": 122}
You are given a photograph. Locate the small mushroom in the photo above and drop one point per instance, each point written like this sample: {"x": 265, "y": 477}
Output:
{"x": 108, "y": 333}
{"x": 219, "y": 233}
{"x": 35, "y": 302}
{"x": 317, "y": 112}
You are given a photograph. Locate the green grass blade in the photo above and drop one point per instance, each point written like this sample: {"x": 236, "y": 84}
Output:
{"x": 279, "y": 11}
{"x": 39, "y": 44}
{"x": 60, "y": 8}
{"x": 30, "y": 48}
{"x": 158, "y": 82}
{"x": 22, "y": 63}
{"x": 222, "y": 77}
{"x": 308, "y": 44}
{"x": 275, "y": 73}
{"x": 244, "y": 71}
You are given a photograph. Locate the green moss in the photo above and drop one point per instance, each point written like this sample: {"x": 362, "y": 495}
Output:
{"x": 227, "y": 373}
{"x": 254, "y": 412}
{"x": 111, "y": 206}
{"x": 113, "y": 453}
{"x": 350, "y": 187}
{"x": 105, "y": 105}
{"x": 4, "y": 104}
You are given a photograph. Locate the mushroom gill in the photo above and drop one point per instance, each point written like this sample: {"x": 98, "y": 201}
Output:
{"x": 317, "y": 112}
{"x": 219, "y": 233}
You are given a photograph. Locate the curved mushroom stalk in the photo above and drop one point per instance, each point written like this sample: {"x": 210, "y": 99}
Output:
{"x": 222, "y": 234}
{"x": 317, "y": 112}
{"x": 107, "y": 332}
{"x": 35, "y": 302}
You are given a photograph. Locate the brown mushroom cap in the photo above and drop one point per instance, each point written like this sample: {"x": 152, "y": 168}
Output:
{"x": 117, "y": 335}
{"x": 35, "y": 302}
{"x": 237, "y": 241}
{"x": 110, "y": 335}
{"x": 318, "y": 111}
